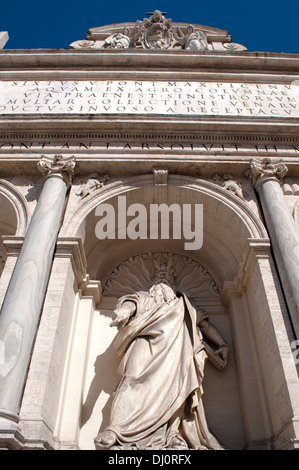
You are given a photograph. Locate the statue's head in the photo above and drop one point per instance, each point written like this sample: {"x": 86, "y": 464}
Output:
{"x": 163, "y": 292}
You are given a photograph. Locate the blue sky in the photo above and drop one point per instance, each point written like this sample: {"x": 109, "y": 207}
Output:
{"x": 260, "y": 25}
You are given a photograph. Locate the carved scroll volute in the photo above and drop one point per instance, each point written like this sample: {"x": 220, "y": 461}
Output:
{"x": 260, "y": 171}
{"x": 58, "y": 165}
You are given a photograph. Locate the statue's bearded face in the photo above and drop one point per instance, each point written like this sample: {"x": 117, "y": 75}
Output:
{"x": 163, "y": 292}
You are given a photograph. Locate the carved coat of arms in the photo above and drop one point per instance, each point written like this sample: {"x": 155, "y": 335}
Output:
{"x": 155, "y": 32}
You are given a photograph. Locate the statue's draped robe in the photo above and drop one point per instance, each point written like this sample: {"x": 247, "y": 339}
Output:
{"x": 159, "y": 395}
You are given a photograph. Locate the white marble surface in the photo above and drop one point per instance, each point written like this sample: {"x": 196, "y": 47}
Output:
{"x": 3, "y": 38}
{"x": 148, "y": 97}
{"x": 25, "y": 295}
{"x": 284, "y": 237}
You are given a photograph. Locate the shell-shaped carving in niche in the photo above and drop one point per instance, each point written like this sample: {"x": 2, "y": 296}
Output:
{"x": 136, "y": 274}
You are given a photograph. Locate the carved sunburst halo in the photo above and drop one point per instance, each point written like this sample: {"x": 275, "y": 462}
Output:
{"x": 138, "y": 273}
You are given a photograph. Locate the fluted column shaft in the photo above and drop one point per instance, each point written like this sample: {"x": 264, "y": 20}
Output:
{"x": 283, "y": 231}
{"x": 24, "y": 299}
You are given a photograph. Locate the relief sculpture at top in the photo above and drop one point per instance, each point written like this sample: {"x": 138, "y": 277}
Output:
{"x": 158, "y": 33}
{"x": 162, "y": 340}
{"x": 193, "y": 41}
{"x": 155, "y": 32}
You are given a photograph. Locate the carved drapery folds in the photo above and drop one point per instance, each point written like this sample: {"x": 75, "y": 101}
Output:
{"x": 118, "y": 40}
{"x": 162, "y": 342}
{"x": 193, "y": 40}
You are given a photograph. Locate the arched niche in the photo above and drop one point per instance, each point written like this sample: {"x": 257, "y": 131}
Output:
{"x": 228, "y": 225}
{"x": 13, "y": 215}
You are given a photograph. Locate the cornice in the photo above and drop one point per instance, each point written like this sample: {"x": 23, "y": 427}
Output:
{"x": 82, "y": 136}
{"x": 155, "y": 127}
{"x": 71, "y": 62}
{"x": 124, "y": 163}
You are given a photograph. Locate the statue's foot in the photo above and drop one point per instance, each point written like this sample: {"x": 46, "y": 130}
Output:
{"x": 105, "y": 440}
{"x": 177, "y": 442}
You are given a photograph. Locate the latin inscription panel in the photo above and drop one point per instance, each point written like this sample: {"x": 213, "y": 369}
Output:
{"x": 147, "y": 97}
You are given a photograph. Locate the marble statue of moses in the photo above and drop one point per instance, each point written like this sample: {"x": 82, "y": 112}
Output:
{"x": 158, "y": 402}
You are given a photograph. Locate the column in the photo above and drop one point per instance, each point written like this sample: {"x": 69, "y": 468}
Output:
{"x": 22, "y": 305}
{"x": 283, "y": 231}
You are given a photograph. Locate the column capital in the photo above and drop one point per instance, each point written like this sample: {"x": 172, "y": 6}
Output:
{"x": 58, "y": 165}
{"x": 262, "y": 170}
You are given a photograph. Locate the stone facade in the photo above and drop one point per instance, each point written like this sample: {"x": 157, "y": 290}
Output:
{"x": 181, "y": 117}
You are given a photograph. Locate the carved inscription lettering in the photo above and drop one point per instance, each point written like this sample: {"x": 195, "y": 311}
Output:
{"x": 148, "y": 147}
{"x": 148, "y": 97}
